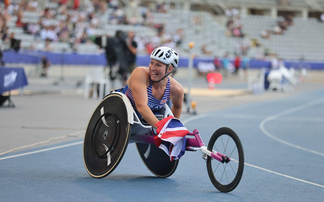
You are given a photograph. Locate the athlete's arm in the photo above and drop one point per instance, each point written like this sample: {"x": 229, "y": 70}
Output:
{"x": 138, "y": 82}
{"x": 176, "y": 97}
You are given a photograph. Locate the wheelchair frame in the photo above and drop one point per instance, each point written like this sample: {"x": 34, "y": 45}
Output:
{"x": 140, "y": 134}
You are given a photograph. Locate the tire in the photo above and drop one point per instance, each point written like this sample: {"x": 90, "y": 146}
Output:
{"x": 225, "y": 176}
{"x": 156, "y": 160}
{"x": 106, "y": 137}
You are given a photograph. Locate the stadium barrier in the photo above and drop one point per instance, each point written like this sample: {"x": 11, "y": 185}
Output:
{"x": 33, "y": 57}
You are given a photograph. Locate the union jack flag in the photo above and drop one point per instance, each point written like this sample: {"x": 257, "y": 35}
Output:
{"x": 171, "y": 137}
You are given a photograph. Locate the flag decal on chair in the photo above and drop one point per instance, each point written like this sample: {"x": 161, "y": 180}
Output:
{"x": 171, "y": 137}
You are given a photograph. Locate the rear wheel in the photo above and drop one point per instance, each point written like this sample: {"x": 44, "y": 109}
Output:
{"x": 225, "y": 175}
{"x": 106, "y": 137}
{"x": 156, "y": 160}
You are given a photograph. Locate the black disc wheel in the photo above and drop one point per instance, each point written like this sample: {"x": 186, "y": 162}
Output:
{"x": 227, "y": 174}
{"x": 156, "y": 160}
{"x": 106, "y": 137}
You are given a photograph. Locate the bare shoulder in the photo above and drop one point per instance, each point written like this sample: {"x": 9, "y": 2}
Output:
{"x": 141, "y": 70}
{"x": 139, "y": 75}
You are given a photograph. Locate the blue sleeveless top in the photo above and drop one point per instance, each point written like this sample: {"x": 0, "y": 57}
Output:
{"x": 153, "y": 103}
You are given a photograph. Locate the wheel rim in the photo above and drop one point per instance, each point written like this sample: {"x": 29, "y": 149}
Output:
{"x": 106, "y": 137}
{"x": 225, "y": 173}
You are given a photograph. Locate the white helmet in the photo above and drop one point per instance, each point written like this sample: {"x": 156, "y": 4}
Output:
{"x": 165, "y": 55}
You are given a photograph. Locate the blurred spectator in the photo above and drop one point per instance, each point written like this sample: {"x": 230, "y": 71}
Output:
{"x": 113, "y": 4}
{"x": 32, "y": 6}
{"x": 94, "y": 21}
{"x": 45, "y": 65}
{"x": 7, "y": 3}
{"x": 289, "y": 19}
{"x": 6, "y": 14}
{"x": 132, "y": 51}
{"x": 274, "y": 61}
{"x": 111, "y": 57}
{"x": 237, "y": 29}
{"x": 225, "y": 64}
{"x": 178, "y": 37}
{"x": 45, "y": 18}
{"x": 48, "y": 33}
{"x": 4, "y": 34}
{"x": 149, "y": 47}
{"x": 64, "y": 37}
{"x": 283, "y": 25}
{"x": 228, "y": 12}
{"x": 255, "y": 42}
{"x": 73, "y": 23}
{"x": 133, "y": 13}
{"x": 217, "y": 64}
{"x": 102, "y": 8}
{"x": 38, "y": 45}
{"x": 2, "y": 23}
{"x": 205, "y": 67}
{"x": 84, "y": 38}
{"x": 65, "y": 30}
{"x": 117, "y": 60}
{"x": 245, "y": 64}
{"x": 237, "y": 64}
{"x": 162, "y": 8}
{"x": 76, "y": 4}
{"x": 14, "y": 43}
{"x": 266, "y": 34}
{"x": 48, "y": 46}
{"x": 234, "y": 24}
{"x": 302, "y": 66}
{"x": 277, "y": 30}
{"x": 281, "y": 62}
{"x": 33, "y": 29}
{"x": 1, "y": 57}
{"x": 19, "y": 22}
{"x": 322, "y": 17}
{"x": 143, "y": 11}
{"x": 156, "y": 40}
{"x": 169, "y": 42}
{"x": 140, "y": 44}
{"x": 229, "y": 25}
{"x": 120, "y": 50}
{"x": 204, "y": 50}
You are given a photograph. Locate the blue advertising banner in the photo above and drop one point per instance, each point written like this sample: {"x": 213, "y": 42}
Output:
{"x": 34, "y": 57}
{"x": 12, "y": 78}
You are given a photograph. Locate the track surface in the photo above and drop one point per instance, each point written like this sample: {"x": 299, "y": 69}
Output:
{"x": 282, "y": 137}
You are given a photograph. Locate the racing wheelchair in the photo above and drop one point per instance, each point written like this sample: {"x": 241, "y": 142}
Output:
{"x": 114, "y": 124}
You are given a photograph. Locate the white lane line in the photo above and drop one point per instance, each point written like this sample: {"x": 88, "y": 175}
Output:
{"x": 283, "y": 175}
{"x": 257, "y": 167}
{"x": 42, "y": 150}
{"x": 43, "y": 142}
{"x": 301, "y": 107}
{"x": 80, "y": 142}
{"x": 76, "y": 143}
{"x": 304, "y": 119}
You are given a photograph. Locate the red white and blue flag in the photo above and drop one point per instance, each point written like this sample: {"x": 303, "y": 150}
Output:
{"x": 171, "y": 137}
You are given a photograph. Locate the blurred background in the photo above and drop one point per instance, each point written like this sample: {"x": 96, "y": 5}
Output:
{"x": 227, "y": 34}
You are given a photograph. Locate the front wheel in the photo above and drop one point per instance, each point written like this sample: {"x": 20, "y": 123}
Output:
{"x": 225, "y": 175}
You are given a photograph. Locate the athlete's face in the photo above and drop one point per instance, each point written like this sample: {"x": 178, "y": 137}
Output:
{"x": 157, "y": 70}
